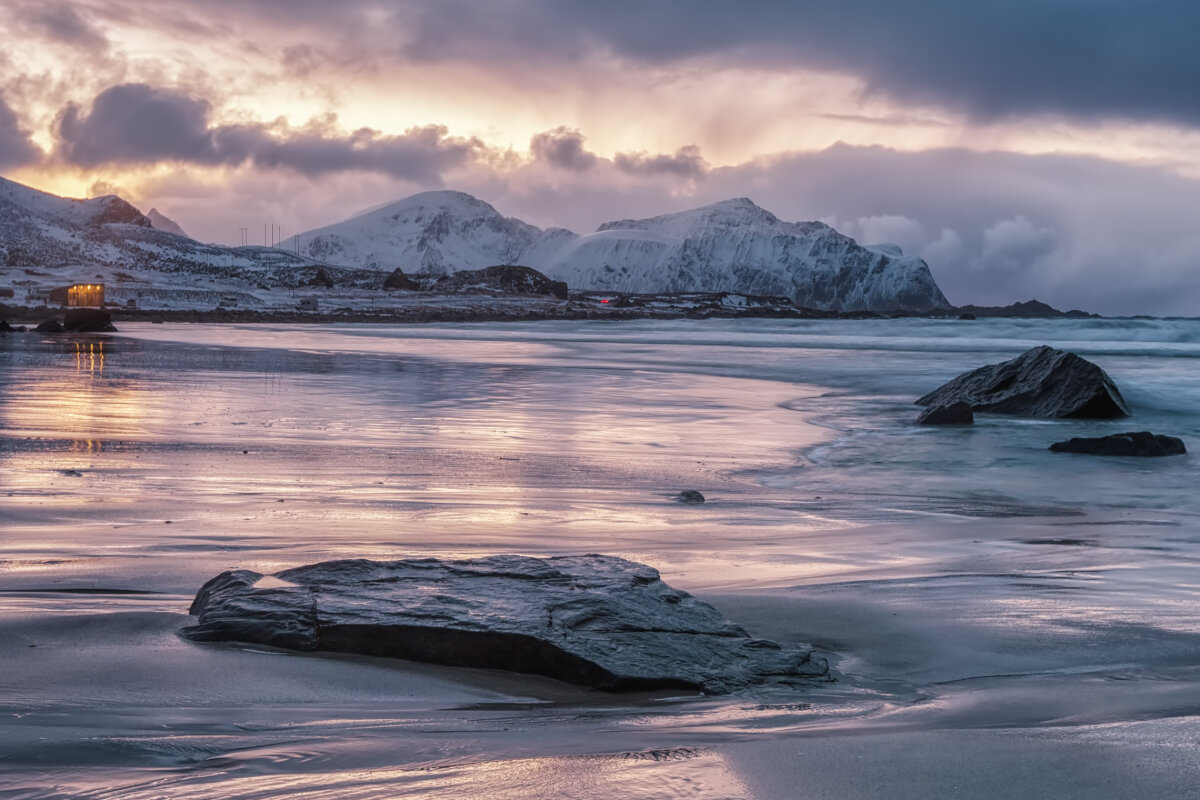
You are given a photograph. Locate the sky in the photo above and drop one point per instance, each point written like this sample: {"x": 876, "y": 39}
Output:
{"x": 1046, "y": 149}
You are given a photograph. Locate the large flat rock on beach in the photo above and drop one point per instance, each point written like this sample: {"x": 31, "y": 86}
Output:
{"x": 1042, "y": 382}
{"x": 591, "y": 620}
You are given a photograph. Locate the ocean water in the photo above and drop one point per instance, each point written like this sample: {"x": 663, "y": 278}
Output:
{"x": 959, "y": 580}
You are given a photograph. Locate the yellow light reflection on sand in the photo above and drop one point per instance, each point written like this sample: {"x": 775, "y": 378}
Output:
{"x": 677, "y": 772}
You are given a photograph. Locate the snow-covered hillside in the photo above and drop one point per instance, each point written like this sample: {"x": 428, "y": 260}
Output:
{"x": 735, "y": 246}
{"x": 732, "y": 246}
{"x": 433, "y": 232}
{"x": 48, "y": 241}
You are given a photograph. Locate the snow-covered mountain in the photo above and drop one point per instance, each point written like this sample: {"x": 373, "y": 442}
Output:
{"x": 732, "y": 246}
{"x": 432, "y": 232}
{"x": 735, "y": 246}
{"x": 50, "y": 240}
{"x": 164, "y": 223}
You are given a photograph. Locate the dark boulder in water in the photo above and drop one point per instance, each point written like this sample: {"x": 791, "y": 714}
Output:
{"x": 1139, "y": 443}
{"x": 690, "y": 496}
{"x": 954, "y": 414}
{"x": 1042, "y": 382}
{"x": 49, "y": 326}
{"x": 592, "y": 620}
{"x": 88, "y": 320}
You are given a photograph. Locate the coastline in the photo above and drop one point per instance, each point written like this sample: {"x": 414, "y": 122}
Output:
{"x": 581, "y": 305}
{"x": 969, "y": 636}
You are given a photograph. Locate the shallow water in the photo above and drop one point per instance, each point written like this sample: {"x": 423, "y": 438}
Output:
{"x": 959, "y": 580}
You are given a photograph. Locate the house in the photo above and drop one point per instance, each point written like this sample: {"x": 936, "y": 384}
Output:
{"x": 79, "y": 295}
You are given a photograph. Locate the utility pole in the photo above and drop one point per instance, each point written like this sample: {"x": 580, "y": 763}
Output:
{"x": 245, "y": 232}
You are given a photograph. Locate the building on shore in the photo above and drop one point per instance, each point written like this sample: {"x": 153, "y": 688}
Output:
{"x": 79, "y": 295}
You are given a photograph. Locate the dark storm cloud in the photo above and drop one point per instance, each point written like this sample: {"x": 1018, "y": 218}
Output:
{"x": 61, "y": 22}
{"x": 685, "y": 163}
{"x": 562, "y": 148}
{"x": 1080, "y": 58}
{"x": 1086, "y": 58}
{"x": 141, "y": 124}
{"x": 16, "y": 149}
{"x": 136, "y": 123}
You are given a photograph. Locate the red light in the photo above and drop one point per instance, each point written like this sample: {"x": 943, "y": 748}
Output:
{"x": 604, "y": 300}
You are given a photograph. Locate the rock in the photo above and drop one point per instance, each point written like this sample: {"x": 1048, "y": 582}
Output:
{"x": 1042, "y": 382}
{"x": 592, "y": 620}
{"x": 5, "y": 327}
{"x": 319, "y": 278}
{"x": 690, "y": 496}
{"x": 398, "y": 280}
{"x": 1140, "y": 443}
{"x": 954, "y": 414}
{"x": 966, "y": 316}
{"x": 88, "y": 320}
{"x": 49, "y": 326}
{"x": 506, "y": 279}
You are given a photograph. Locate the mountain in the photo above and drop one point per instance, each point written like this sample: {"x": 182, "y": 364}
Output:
{"x": 736, "y": 246}
{"x": 432, "y": 232}
{"x": 164, "y": 223}
{"x": 732, "y": 246}
{"x": 47, "y": 240}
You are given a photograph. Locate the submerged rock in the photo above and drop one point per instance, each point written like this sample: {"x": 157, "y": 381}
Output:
{"x": 88, "y": 320}
{"x": 1042, "y": 382}
{"x": 1139, "y": 443}
{"x": 954, "y": 414}
{"x": 690, "y": 496}
{"x": 592, "y": 620}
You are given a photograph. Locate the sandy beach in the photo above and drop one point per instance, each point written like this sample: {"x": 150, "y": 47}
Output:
{"x": 999, "y": 625}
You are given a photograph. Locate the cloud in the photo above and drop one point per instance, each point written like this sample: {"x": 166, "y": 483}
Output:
{"x": 1099, "y": 58}
{"x": 60, "y": 22}
{"x": 890, "y": 229}
{"x": 1013, "y": 245}
{"x": 685, "y": 163}
{"x": 135, "y": 123}
{"x": 141, "y": 124}
{"x": 16, "y": 149}
{"x": 562, "y": 148}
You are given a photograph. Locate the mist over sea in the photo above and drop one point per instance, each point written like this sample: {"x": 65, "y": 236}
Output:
{"x": 974, "y": 592}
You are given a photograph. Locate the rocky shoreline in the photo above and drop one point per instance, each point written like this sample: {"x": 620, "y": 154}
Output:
{"x": 518, "y": 308}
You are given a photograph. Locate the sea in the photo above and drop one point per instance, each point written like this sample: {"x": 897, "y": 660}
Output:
{"x": 1000, "y": 620}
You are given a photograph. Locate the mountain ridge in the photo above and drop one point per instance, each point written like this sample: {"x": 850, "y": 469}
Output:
{"x": 733, "y": 245}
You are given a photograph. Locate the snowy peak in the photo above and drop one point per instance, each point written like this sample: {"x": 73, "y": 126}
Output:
{"x": 432, "y": 232}
{"x": 164, "y": 223}
{"x": 456, "y": 204}
{"x": 97, "y": 211}
{"x": 736, "y": 246}
{"x": 725, "y": 215}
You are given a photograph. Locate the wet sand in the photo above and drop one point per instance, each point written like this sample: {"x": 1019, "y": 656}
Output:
{"x": 979, "y": 655}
